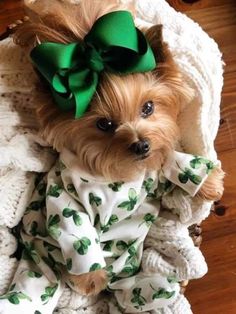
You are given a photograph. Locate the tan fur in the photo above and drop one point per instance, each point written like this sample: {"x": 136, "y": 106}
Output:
{"x": 212, "y": 189}
{"x": 119, "y": 98}
{"x": 89, "y": 284}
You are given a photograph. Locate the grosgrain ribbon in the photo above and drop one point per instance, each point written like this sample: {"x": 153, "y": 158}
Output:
{"x": 113, "y": 44}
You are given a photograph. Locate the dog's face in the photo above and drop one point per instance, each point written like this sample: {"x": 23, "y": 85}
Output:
{"x": 130, "y": 126}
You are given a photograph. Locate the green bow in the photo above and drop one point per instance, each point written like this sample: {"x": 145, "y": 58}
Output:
{"x": 113, "y": 44}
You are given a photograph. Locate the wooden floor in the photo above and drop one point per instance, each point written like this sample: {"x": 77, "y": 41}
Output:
{"x": 216, "y": 292}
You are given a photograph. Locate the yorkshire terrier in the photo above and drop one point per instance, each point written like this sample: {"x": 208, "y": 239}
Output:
{"x": 131, "y": 123}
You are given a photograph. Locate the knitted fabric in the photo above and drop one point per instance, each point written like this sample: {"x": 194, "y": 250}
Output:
{"x": 168, "y": 248}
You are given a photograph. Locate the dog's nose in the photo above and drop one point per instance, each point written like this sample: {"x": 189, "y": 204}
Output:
{"x": 140, "y": 147}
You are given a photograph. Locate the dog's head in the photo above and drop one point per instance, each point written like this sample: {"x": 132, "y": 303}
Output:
{"x": 131, "y": 122}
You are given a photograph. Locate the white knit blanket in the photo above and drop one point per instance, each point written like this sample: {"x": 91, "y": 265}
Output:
{"x": 22, "y": 154}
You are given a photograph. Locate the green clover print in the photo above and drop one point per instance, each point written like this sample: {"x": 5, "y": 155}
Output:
{"x": 54, "y": 190}
{"x": 130, "y": 204}
{"x": 36, "y": 205}
{"x": 113, "y": 219}
{"x": 108, "y": 245}
{"x": 148, "y": 219}
{"x": 14, "y": 297}
{"x": 41, "y": 188}
{"x": 81, "y": 245}
{"x": 94, "y": 200}
{"x": 30, "y": 253}
{"x": 111, "y": 274}
{"x": 34, "y": 274}
{"x": 68, "y": 212}
{"x": 35, "y": 231}
{"x": 131, "y": 263}
{"x": 48, "y": 293}
{"x": 138, "y": 299}
{"x": 188, "y": 174}
{"x": 161, "y": 293}
{"x": 116, "y": 186}
{"x": 71, "y": 189}
{"x": 69, "y": 263}
{"x": 198, "y": 161}
{"x": 95, "y": 266}
{"x": 53, "y": 226}
{"x": 148, "y": 186}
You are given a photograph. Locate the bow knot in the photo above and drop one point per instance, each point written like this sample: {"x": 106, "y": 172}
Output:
{"x": 72, "y": 70}
{"x": 93, "y": 59}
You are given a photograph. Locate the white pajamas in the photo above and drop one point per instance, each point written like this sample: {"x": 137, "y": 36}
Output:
{"x": 78, "y": 224}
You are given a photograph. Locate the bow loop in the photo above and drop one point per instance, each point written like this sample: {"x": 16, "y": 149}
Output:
{"x": 113, "y": 44}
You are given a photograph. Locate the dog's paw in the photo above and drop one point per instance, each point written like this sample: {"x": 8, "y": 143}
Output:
{"x": 90, "y": 283}
{"x": 213, "y": 188}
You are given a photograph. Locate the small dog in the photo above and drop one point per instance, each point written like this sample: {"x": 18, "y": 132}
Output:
{"x": 131, "y": 124}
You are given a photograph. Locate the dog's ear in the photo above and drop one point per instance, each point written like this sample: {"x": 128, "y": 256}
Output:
{"x": 164, "y": 59}
{"x": 167, "y": 71}
{"x": 155, "y": 38}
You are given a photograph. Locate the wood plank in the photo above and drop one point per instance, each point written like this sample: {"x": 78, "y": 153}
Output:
{"x": 192, "y": 5}
{"x": 215, "y": 293}
{"x": 10, "y": 10}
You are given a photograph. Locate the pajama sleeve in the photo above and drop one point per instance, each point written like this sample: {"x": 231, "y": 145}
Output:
{"x": 187, "y": 171}
{"x": 73, "y": 231}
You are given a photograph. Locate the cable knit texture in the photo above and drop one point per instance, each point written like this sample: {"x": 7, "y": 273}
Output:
{"x": 168, "y": 248}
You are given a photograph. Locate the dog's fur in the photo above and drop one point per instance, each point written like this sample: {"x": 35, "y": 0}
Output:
{"x": 119, "y": 99}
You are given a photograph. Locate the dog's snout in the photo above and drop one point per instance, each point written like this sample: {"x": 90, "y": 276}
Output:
{"x": 141, "y": 147}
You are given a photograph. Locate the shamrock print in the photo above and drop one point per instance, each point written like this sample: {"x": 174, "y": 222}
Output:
{"x": 111, "y": 274}
{"x": 53, "y": 226}
{"x": 138, "y": 299}
{"x": 108, "y": 245}
{"x": 148, "y": 219}
{"x": 148, "y": 186}
{"x": 94, "y": 200}
{"x": 116, "y": 186}
{"x": 81, "y": 245}
{"x": 68, "y": 212}
{"x": 131, "y": 264}
{"x": 113, "y": 219}
{"x": 35, "y": 231}
{"x": 71, "y": 189}
{"x": 34, "y": 274}
{"x": 95, "y": 266}
{"x": 130, "y": 204}
{"x": 69, "y": 263}
{"x": 14, "y": 297}
{"x": 172, "y": 279}
{"x": 56, "y": 266}
{"x": 48, "y": 293}
{"x": 41, "y": 188}
{"x": 198, "y": 161}
{"x": 30, "y": 253}
{"x": 35, "y": 205}
{"x": 122, "y": 245}
{"x": 161, "y": 293}
{"x": 188, "y": 174}
{"x": 54, "y": 190}
{"x": 165, "y": 186}
{"x": 49, "y": 247}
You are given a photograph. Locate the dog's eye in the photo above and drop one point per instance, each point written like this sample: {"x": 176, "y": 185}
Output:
{"x": 105, "y": 125}
{"x": 147, "y": 109}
